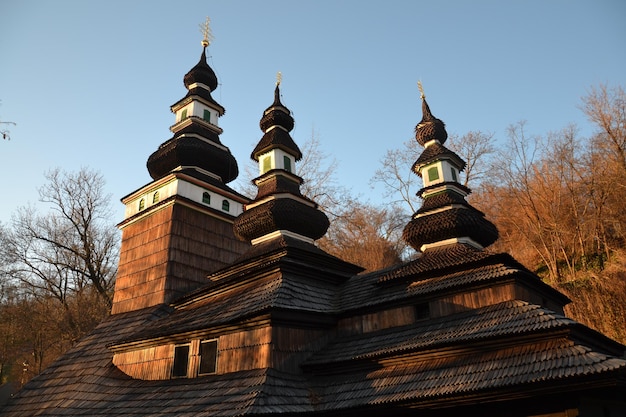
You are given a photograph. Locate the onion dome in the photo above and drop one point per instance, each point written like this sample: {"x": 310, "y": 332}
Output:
{"x": 445, "y": 218}
{"x": 196, "y": 143}
{"x": 430, "y": 128}
{"x": 201, "y": 74}
{"x": 276, "y": 123}
{"x": 279, "y": 208}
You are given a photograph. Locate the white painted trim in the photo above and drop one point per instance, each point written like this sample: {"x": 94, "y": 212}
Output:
{"x": 452, "y": 241}
{"x": 278, "y": 233}
{"x": 194, "y": 85}
{"x": 275, "y": 127}
{"x": 200, "y": 170}
{"x": 277, "y": 197}
{"x": 439, "y": 210}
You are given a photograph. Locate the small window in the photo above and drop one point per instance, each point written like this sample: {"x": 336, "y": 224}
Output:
{"x": 206, "y": 198}
{"x": 226, "y": 205}
{"x": 181, "y": 361}
{"x": 433, "y": 174}
{"x": 183, "y": 115}
{"x": 287, "y": 163}
{"x": 155, "y": 197}
{"x": 142, "y": 204}
{"x": 422, "y": 311}
{"x": 453, "y": 174}
{"x": 266, "y": 163}
{"x": 207, "y": 116}
{"x": 208, "y": 357}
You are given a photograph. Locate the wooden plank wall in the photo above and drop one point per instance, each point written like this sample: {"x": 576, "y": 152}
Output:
{"x": 153, "y": 363}
{"x": 169, "y": 253}
{"x": 377, "y": 320}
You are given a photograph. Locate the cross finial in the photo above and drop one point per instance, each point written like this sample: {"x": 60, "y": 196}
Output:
{"x": 205, "y": 28}
{"x": 419, "y": 86}
{"x": 279, "y": 78}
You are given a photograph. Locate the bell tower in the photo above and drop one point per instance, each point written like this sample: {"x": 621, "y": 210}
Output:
{"x": 179, "y": 227}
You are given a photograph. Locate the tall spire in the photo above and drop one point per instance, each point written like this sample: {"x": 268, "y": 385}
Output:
{"x": 445, "y": 217}
{"x": 279, "y": 208}
{"x": 196, "y": 144}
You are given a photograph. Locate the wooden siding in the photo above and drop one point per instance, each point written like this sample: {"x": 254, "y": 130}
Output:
{"x": 169, "y": 253}
{"x": 459, "y": 302}
{"x": 291, "y": 346}
{"x": 153, "y": 363}
{"x": 244, "y": 350}
{"x": 377, "y": 320}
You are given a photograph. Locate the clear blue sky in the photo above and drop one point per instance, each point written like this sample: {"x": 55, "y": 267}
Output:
{"x": 90, "y": 83}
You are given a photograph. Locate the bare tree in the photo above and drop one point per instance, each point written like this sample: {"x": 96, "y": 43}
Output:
{"x": 74, "y": 247}
{"x": 4, "y": 131}
{"x": 399, "y": 181}
{"x": 475, "y": 148}
{"x": 606, "y": 108}
{"x": 6, "y": 134}
{"x": 367, "y": 235}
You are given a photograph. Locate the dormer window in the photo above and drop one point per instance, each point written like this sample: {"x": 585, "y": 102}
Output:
{"x": 208, "y": 357}
{"x": 181, "y": 361}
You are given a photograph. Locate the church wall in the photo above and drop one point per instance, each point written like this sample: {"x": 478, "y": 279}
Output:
{"x": 467, "y": 300}
{"x": 377, "y": 320}
{"x": 169, "y": 253}
{"x": 291, "y": 346}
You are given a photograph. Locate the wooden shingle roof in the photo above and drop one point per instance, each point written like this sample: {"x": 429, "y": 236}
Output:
{"x": 506, "y": 319}
{"x": 472, "y": 372}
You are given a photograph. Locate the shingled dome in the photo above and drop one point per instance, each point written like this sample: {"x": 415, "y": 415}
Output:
{"x": 202, "y": 73}
{"x": 430, "y": 128}
{"x": 445, "y": 217}
{"x": 279, "y": 206}
{"x": 276, "y": 123}
{"x": 196, "y": 141}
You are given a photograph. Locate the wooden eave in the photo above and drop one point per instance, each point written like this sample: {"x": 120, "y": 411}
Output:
{"x": 195, "y": 97}
{"x": 252, "y": 322}
{"x": 445, "y": 349}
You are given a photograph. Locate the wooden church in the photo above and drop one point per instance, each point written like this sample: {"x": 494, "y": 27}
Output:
{"x": 224, "y": 306}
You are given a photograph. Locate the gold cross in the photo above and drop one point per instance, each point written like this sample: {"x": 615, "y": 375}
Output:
{"x": 419, "y": 86}
{"x": 205, "y": 28}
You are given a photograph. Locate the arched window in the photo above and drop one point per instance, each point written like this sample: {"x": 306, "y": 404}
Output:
{"x": 155, "y": 197}
{"x": 206, "y": 197}
{"x": 142, "y": 204}
{"x": 225, "y": 205}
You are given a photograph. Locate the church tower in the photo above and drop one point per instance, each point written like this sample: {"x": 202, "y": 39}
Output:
{"x": 179, "y": 227}
{"x": 446, "y": 218}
